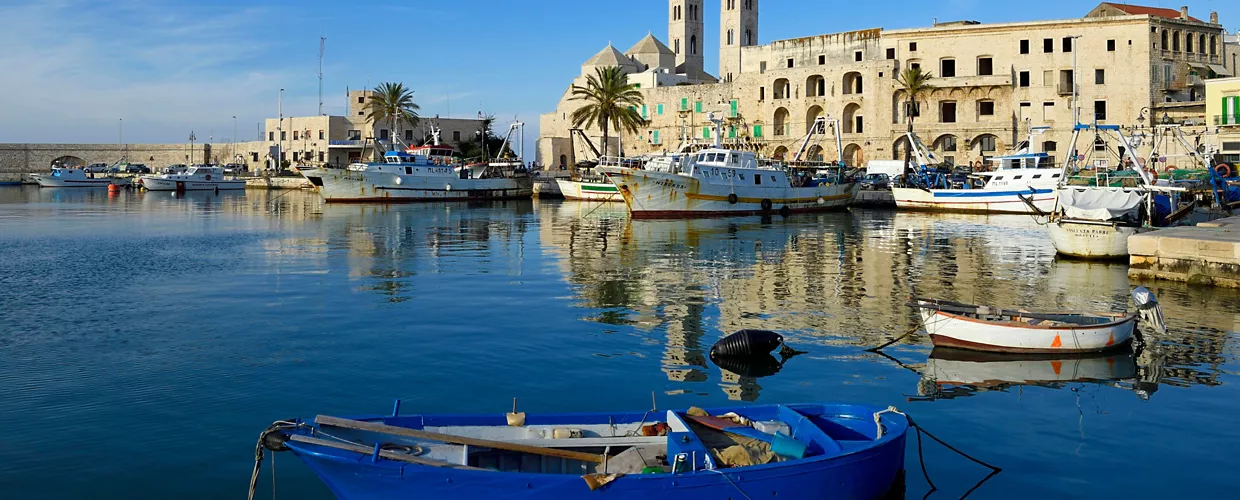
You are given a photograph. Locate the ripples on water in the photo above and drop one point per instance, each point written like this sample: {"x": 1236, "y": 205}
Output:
{"x": 148, "y": 338}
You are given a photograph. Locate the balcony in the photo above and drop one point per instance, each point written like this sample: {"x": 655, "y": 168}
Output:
{"x": 1066, "y": 89}
{"x": 1194, "y": 81}
{"x": 1226, "y": 120}
{"x": 1003, "y": 80}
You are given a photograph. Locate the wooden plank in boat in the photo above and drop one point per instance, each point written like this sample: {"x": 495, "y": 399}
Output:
{"x": 390, "y": 455}
{"x": 345, "y": 423}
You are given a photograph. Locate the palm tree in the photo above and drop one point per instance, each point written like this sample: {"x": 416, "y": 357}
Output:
{"x": 393, "y": 103}
{"x": 609, "y": 101}
{"x": 915, "y": 83}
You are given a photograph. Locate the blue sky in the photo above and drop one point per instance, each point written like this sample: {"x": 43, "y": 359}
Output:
{"x": 71, "y": 70}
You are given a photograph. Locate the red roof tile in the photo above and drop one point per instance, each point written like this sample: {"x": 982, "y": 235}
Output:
{"x": 1139, "y": 10}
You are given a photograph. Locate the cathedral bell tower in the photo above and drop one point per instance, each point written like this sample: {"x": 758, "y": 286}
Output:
{"x": 738, "y": 27}
{"x": 684, "y": 32}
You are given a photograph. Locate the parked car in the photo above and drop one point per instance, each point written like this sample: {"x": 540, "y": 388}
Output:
{"x": 875, "y": 182}
{"x": 234, "y": 168}
{"x": 96, "y": 168}
{"x": 137, "y": 168}
{"x": 178, "y": 168}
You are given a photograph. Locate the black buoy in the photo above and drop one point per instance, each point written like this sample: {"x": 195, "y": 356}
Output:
{"x": 746, "y": 343}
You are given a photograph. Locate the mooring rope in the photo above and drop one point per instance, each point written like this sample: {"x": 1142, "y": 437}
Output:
{"x": 920, "y": 456}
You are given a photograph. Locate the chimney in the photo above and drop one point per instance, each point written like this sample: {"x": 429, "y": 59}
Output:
{"x": 1214, "y": 18}
{"x": 1184, "y": 12}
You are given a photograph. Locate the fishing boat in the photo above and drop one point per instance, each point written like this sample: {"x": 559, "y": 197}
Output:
{"x": 985, "y": 328}
{"x": 423, "y": 173}
{"x": 195, "y": 178}
{"x": 1022, "y": 182}
{"x": 717, "y": 181}
{"x": 786, "y": 451}
{"x": 64, "y": 177}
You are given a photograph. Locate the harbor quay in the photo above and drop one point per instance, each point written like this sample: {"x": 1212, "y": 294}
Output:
{"x": 1206, "y": 254}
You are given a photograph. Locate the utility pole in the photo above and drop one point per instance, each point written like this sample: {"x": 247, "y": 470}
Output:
{"x": 1076, "y": 113}
{"x": 280, "y": 140}
{"x": 120, "y": 139}
{"x": 191, "y": 147}
{"x": 322, "y": 47}
{"x": 234, "y": 140}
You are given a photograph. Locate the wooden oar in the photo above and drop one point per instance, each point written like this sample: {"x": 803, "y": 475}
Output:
{"x": 345, "y": 423}
{"x": 390, "y": 455}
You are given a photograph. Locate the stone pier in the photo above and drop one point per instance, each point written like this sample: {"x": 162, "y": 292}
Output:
{"x": 1208, "y": 253}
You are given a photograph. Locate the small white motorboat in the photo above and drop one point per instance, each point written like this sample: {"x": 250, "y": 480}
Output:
{"x": 195, "y": 178}
{"x": 75, "y": 177}
{"x": 985, "y": 328}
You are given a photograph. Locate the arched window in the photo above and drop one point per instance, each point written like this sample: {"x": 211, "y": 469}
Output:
{"x": 1164, "y": 45}
{"x": 1213, "y": 44}
{"x": 748, "y": 37}
{"x": 1201, "y": 44}
{"x": 730, "y": 37}
{"x": 1188, "y": 43}
{"x": 693, "y": 45}
{"x": 676, "y": 44}
{"x": 1175, "y": 41}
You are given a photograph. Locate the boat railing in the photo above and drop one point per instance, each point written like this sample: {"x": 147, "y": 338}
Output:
{"x": 620, "y": 161}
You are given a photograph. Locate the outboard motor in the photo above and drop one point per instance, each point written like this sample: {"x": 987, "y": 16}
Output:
{"x": 1151, "y": 312}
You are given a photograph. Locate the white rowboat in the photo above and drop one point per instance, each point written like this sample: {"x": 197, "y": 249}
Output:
{"x": 983, "y": 328}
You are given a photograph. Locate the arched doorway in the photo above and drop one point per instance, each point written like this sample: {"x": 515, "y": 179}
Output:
{"x": 781, "y": 153}
{"x": 985, "y": 144}
{"x": 810, "y": 117}
{"x": 852, "y": 156}
{"x": 563, "y": 162}
{"x": 814, "y": 153}
{"x": 853, "y": 123}
{"x": 899, "y": 147}
{"x": 68, "y": 161}
{"x": 781, "y": 121}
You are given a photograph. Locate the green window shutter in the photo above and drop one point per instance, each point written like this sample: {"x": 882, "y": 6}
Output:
{"x": 656, "y": 137}
{"x": 731, "y": 132}
{"x": 644, "y": 112}
{"x": 735, "y": 104}
{"x": 684, "y": 104}
{"x": 658, "y": 109}
{"x": 706, "y": 132}
{"x": 697, "y": 107}
{"x": 757, "y": 131}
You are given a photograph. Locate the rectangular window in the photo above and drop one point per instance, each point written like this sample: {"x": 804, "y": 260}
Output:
{"x": 320, "y": 156}
{"x": 1048, "y": 78}
{"x": 654, "y": 137}
{"x": 761, "y": 93}
{"x": 986, "y": 108}
{"x": 731, "y": 132}
{"x": 757, "y": 131}
{"x": 947, "y": 68}
{"x": 684, "y": 104}
{"x": 456, "y": 136}
{"x": 697, "y": 107}
{"x": 1100, "y": 110}
{"x": 860, "y": 128}
{"x": 947, "y": 112}
{"x": 283, "y": 135}
{"x": 757, "y": 179}
{"x": 361, "y": 100}
{"x": 857, "y": 56}
{"x": 891, "y": 53}
{"x": 1048, "y": 45}
{"x": 271, "y": 136}
{"x": 985, "y": 66}
{"x": 322, "y": 135}
{"x": 790, "y": 62}
{"x": 912, "y": 47}
{"x": 734, "y": 106}
{"x": 1110, "y": 45}
{"x": 1024, "y": 78}
{"x": 295, "y": 136}
{"x": 409, "y": 135}
{"x": 1024, "y": 46}
{"x": 822, "y": 60}
{"x": 706, "y": 132}
{"x": 1067, "y": 44}
{"x": 1100, "y": 77}
{"x": 644, "y": 115}
{"x": 658, "y": 110}
{"x": 355, "y": 135}
{"x": 383, "y": 134}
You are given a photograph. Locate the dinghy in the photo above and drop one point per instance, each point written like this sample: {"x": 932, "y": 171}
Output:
{"x": 985, "y": 328}
{"x": 783, "y": 451}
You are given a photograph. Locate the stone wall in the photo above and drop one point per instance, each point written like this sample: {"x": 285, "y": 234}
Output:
{"x": 17, "y": 160}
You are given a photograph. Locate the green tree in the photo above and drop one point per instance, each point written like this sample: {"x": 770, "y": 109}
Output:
{"x": 392, "y": 103}
{"x": 915, "y": 83}
{"x": 484, "y": 143}
{"x": 609, "y": 101}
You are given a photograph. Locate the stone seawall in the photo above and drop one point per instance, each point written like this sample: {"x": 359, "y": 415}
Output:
{"x": 17, "y": 160}
{"x": 1207, "y": 254}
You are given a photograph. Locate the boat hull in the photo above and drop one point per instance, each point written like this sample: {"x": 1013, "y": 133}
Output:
{"x": 963, "y": 332}
{"x": 589, "y": 191}
{"x": 866, "y": 472}
{"x": 347, "y": 186}
{"x": 55, "y": 182}
{"x": 156, "y": 184}
{"x": 651, "y": 194}
{"x": 1090, "y": 240}
{"x": 974, "y": 200}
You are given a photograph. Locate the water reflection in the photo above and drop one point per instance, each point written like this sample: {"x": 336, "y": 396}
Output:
{"x": 952, "y": 373}
{"x": 839, "y": 281}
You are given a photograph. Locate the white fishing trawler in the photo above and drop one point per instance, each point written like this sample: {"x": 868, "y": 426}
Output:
{"x": 1023, "y": 182}
{"x": 424, "y": 173}
{"x": 195, "y": 178}
{"x": 717, "y": 181}
{"x": 64, "y": 177}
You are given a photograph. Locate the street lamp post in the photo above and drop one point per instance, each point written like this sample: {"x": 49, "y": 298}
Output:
{"x": 280, "y": 140}
{"x": 192, "y": 138}
{"x": 234, "y": 140}
{"x": 120, "y": 137}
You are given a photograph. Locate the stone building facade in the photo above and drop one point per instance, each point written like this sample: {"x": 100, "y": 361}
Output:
{"x": 993, "y": 82}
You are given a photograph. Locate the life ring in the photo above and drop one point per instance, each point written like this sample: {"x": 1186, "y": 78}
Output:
{"x": 208, "y": 177}
{"x": 766, "y": 204}
{"x": 732, "y": 199}
{"x": 785, "y": 211}
{"x": 1154, "y": 174}
{"x": 1223, "y": 170}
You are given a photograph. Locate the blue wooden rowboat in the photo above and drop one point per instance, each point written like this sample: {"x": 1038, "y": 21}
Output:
{"x": 847, "y": 451}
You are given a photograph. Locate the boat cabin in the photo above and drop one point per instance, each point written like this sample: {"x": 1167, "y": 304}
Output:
{"x": 725, "y": 166}
{"x": 1019, "y": 161}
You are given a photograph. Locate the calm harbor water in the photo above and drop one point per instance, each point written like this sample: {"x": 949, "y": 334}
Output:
{"x": 146, "y": 339}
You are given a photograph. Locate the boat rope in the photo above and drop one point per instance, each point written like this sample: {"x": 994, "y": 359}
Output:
{"x": 922, "y": 430}
{"x": 601, "y": 203}
{"x": 279, "y": 425}
{"x": 897, "y": 339}
{"x": 734, "y": 485}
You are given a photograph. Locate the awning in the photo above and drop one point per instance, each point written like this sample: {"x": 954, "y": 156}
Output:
{"x": 1219, "y": 70}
